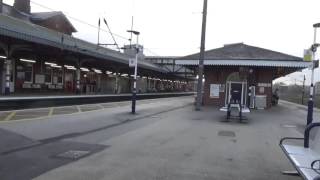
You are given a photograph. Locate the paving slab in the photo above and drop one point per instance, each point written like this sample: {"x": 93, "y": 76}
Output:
{"x": 10, "y": 140}
{"x": 30, "y": 163}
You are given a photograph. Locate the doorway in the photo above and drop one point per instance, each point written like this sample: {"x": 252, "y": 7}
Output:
{"x": 236, "y": 88}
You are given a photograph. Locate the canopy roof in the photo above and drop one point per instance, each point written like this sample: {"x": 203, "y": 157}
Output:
{"x": 27, "y": 31}
{"x": 244, "y": 55}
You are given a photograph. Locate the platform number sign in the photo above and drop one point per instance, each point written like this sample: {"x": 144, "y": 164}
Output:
{"x": 132, "y": 62}
{"x": 307, "y": 55}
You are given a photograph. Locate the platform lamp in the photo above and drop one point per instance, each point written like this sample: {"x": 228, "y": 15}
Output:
{"x": 313, "y": 49}
{"x": 134, "y": 90}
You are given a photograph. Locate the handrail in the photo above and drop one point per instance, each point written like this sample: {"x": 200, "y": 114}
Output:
{"x": 287, "y": 138}
{"x": 307, "y": 133}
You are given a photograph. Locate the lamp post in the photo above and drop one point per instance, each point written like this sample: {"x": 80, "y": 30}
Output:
{"x": 134, "y": 90}
{"x": 313, "y": 49}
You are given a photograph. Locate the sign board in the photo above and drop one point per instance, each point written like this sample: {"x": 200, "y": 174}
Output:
{"x": 132, "y": 62}
{"x": 39, "y": 79}
{"x": 264, "y": 84}
{"x": 307, "y": 55}
{"x": 261, "y": 90}
{"x": 214, "y": 90}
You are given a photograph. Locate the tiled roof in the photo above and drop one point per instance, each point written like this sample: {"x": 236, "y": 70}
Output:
{"x": 42, "y": 16}
{"x": 240, "y": 51}
{"x": 45, "y": 15}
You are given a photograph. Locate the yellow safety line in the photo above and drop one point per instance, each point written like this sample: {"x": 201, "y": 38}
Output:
{"x": 79, "y": 109}
{"x": 51, "y": 111}
{"x": 10, "y": 116}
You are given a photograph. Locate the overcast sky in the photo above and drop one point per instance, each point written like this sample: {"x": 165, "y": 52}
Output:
{"x": 173, "y": 27}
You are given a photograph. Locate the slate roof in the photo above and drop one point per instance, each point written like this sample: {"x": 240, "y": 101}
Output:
{"x": 240, "y": 51}
{"x": 45, "y": 15}
{"x": 42, "y": 16}
{"x": 34, "y": 17}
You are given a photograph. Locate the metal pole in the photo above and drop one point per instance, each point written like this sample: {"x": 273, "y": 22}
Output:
{"x": 99, "y": 24}
{"x": 134, "y": 91}
{"x": 303, "y": 89}
{"x": 310, "y": 102}
{"x": 8, "y": 76}
{"x": 201, "y": 60}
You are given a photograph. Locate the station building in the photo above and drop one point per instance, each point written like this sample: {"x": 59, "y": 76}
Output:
{"x": 245, "y": 69}
{"x": 38, "y": 54}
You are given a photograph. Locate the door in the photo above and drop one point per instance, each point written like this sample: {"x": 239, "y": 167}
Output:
{"x": 236, "y": 93}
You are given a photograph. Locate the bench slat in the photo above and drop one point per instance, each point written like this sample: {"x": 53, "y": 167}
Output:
{"x": 299, "y": 150}
{"x": 303, "y": 161}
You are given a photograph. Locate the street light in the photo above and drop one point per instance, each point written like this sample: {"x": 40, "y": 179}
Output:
{"x": 313, "y": 49}
{"x": 134, "y": 90}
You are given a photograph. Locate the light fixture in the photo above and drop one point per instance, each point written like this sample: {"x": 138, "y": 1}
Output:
{"x": 108, "y": 72}
{"x": 97, "y": 71}
{"x": 56, "y": 66}
{"x": 85, "y": 69}
{"x": 50, "y": 64}
{"x": 3, "y": 57}
{"x": 70, "y": 67}
{"x": 28, "y": 60}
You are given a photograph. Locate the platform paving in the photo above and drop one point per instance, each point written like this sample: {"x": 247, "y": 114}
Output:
{"x": 183, "y": 144}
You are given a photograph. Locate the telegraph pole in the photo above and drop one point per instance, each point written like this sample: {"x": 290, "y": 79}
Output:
{"x": 201, "y": 60}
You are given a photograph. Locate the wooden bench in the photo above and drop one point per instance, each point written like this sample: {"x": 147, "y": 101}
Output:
{"x": 305, "y": 158}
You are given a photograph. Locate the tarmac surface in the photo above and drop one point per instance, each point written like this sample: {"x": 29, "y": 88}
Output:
{"x": 166, "y": 139}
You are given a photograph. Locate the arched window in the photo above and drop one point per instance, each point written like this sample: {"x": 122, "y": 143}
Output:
{"x": 235, "y": 77}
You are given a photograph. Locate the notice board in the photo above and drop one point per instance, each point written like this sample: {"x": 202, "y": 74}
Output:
{"x": 214, "y": 90}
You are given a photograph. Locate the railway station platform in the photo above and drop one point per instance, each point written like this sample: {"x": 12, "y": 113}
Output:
{"x": 166, "y": 139}
{"x": 26, "y": 102}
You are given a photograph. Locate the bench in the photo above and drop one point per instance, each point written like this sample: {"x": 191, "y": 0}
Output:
{"x": 305, "y": 158}
{"x": 240, "y": 108}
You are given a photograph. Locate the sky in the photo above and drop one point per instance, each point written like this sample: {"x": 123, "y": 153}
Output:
{"x": 173, "y": 27}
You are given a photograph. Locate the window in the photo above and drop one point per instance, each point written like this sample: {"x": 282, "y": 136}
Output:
{"x": 25, "y": 72}
{"x": 57, "y": 76}
{"x": 48, "y": 74}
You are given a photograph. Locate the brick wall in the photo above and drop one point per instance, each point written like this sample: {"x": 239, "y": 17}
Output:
{"x": 219, "y": 75}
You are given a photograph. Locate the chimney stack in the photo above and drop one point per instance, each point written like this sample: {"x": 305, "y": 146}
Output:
{"x": 23, "y": 6}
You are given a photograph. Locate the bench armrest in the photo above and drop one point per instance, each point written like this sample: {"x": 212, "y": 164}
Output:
{"x": 307, "y": 133}
{"x": 289, "y": 138}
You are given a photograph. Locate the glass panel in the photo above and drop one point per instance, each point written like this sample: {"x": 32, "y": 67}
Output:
{"x": 48, "y": 74}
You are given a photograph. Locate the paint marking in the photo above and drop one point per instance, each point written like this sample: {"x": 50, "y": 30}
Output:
{"x": 51, "y": 111}
{"x": 79, "y": 109}
{"x": 10, "y": 116}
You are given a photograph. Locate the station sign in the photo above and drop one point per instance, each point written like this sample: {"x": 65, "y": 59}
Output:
{"x": 132, "y": 62}
{"x": 307, "y": 55}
